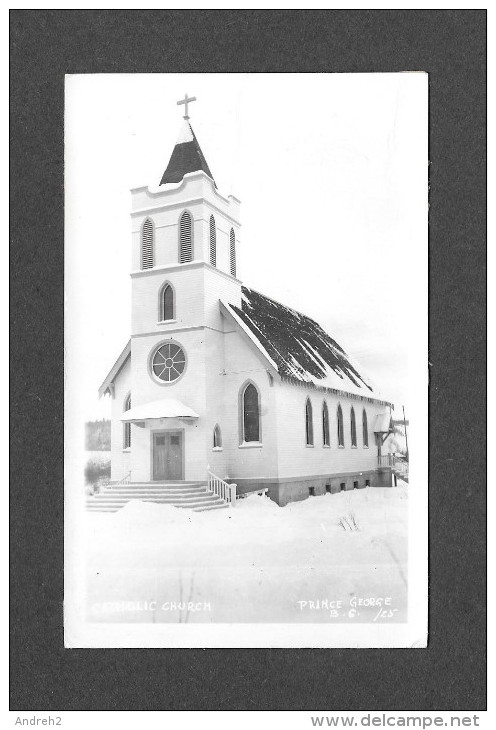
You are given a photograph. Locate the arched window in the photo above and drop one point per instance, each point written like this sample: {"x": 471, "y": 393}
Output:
{"x": 167, "y": 303}
{"x": 217, "y": 437}
{"x": 250, "y": 415}
{"x": 308, "y": 423}
{"x": 213, "y": 242}
{"x": 127, "y": 426}
{"x": 185, "y": 238}
{"x": 340, "y": 427}
{"x": 325, "y": 425}
{"x": 147, "y": 244}
{"x": 353, "y": 427}
{"x": 365, "y": 428}
{"x": 232, "y": 252}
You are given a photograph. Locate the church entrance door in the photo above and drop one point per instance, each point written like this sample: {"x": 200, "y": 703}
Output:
{"x": 167, "y": 455}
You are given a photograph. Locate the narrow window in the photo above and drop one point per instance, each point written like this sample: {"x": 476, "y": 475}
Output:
{"x": 127, "y": 426}
{"x": 217, "y": 437}
{"x": 340, "y": 427}
{"x": 185, "y": 238}
{"x": 365, "y": 428}
{"x": 251, "y": 414}
{"x": 232, "y": 252}
{"x": 167, "y": 303}
{"x": 147, "y": 244}
{"x": 353, "y": 427}
{"x": 213, "y": 242}
{"x": 308, "y": 423}
{"x": 325, "y": 425}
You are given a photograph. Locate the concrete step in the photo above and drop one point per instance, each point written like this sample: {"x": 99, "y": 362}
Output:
{"x": 153, "y": 493}
{"x": 159, "y": 485}
{"x": 206, "y": 508}
{"x": 111, "y": 503}
{"x": 192, "y": 495}
{"x": 203, "y": 499}
{"x": 192, "y": 508}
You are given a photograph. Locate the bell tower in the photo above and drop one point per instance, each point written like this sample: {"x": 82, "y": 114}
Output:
{"x": 185, "y": 234}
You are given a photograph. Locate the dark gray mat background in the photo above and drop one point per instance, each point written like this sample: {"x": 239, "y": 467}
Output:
{"x": 451, "y": 45}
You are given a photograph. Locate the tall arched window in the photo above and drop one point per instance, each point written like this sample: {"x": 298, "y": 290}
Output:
{"x": 325, "y": 425}
{"x": 232, "y": 252}
{"x": 217, "y": 437}
{"x": 147, "y": 244}
{"x": 127, "y": 426}
{"x": 167, "y": 303}
{"x": 250, "y": 414}
{"x": 213, "y": 242}
{"x": 308, "y": 423}
{"x": 353, "y": 427}
{"x": 340, "y": 427}
{"x": 365, "y": 428}
{"x": 185, "y": 238}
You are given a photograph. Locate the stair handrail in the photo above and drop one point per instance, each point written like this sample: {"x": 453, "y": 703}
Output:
{"x": 222, "y": 489}
{"x": 125, "y": 480}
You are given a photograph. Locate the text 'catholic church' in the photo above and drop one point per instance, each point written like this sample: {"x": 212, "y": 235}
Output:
{"x": 218, "y": 379}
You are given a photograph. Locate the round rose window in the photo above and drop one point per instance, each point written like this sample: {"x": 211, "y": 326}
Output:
{"x": 169, "y": 362}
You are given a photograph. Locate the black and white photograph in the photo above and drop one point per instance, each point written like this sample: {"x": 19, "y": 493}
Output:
{"x": 246, "y": 360}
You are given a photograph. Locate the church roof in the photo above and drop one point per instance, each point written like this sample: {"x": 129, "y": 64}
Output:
{"x": 186, "y": 157}
{"x": 298, "y": 346}
{"x": 106, "y": 386}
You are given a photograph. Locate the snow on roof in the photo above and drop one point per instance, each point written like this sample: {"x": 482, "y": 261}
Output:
{"x": 299, "y": 346}
{"x": 163, "y": 408}
{"x": 185, "y": 133}
{"x": 186, "y": 157}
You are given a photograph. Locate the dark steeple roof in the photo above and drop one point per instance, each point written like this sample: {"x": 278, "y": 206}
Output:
{"x": 186, "y": 157}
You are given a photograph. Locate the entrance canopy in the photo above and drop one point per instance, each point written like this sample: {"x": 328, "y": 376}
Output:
{"x": 163, "y": 408}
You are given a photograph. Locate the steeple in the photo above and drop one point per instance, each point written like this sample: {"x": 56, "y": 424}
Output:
{"x": 186, "y": 157}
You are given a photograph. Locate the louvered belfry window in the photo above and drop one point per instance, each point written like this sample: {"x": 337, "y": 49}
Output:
{"x": 213, "y": 242}
{"x": 147, "y": 244}
{"x": 340, "y": 427}
{"x": 365, "y": 428}
{"x": 353, "y": 427}
{"x": 185, "y": 238}
{"x": 232, "y": 252}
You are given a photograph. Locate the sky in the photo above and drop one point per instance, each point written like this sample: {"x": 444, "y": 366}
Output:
{"x": 331, "y": 171}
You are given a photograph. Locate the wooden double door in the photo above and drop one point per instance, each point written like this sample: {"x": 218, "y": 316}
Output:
{"x": 167, "y": 455}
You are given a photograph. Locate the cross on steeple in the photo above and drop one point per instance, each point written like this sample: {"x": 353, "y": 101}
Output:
{"x": 187, "y": 100}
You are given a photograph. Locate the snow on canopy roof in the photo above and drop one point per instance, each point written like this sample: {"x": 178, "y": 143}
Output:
{"x": 163, "y": 408}
{"x": 299, "y": 346}
{"x": 186, "y": 157}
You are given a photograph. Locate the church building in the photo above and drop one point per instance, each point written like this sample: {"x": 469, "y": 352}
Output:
{"x": 220, "y": 385}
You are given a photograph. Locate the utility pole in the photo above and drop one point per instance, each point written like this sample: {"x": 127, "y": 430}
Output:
{"x": 406, "y": 435}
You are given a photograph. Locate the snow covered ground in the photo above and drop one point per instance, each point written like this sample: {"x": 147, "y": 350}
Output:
{"x": 255, "y": 563}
